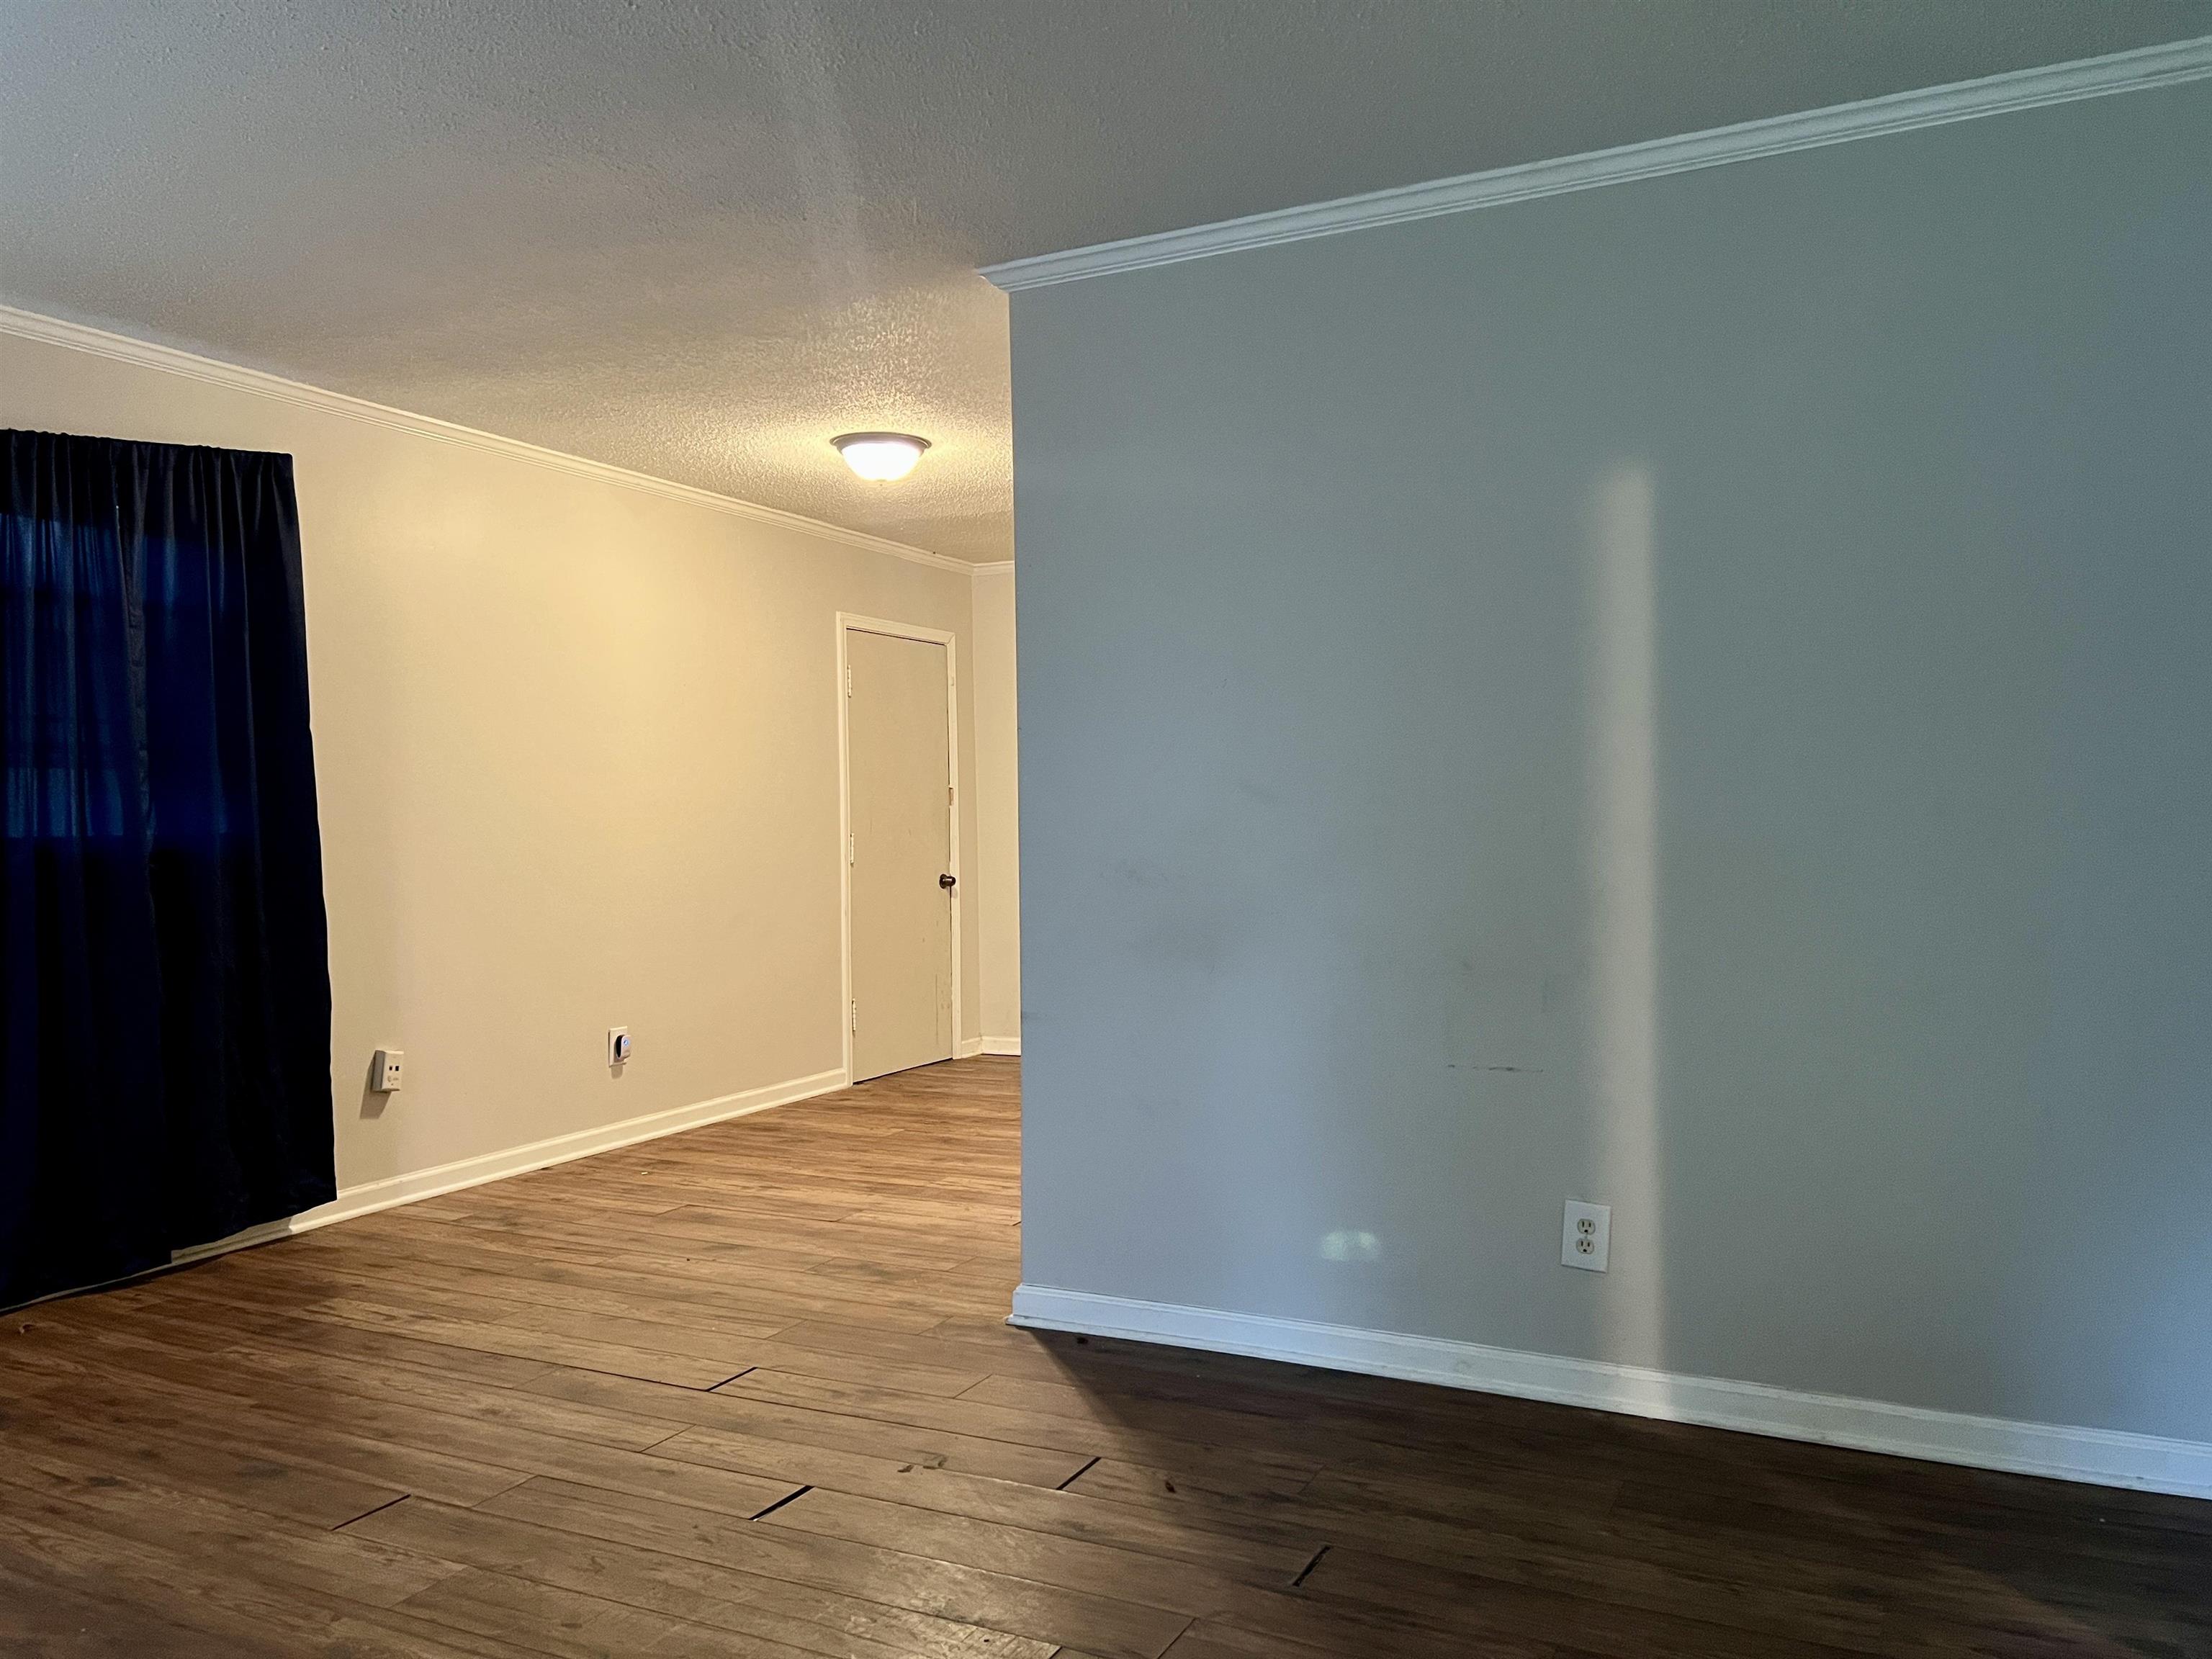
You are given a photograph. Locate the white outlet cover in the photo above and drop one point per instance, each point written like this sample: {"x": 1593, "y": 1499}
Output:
{"x": 385, "y": 1068}
{"x": 1586, "y": 1235}
{"x": 618, "y": 1048}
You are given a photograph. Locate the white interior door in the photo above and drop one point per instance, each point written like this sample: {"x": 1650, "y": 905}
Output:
{"x": 899, "y": 757}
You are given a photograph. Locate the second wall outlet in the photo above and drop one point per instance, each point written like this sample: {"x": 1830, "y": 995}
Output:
{"x": 1586, "y": 1236}
{"x": 617, "y": 1044}
{"x": 385, "y": 1067}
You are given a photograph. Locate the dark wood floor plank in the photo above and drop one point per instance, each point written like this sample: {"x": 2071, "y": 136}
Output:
{"x": 312, "y": 1434}
{"x": 744, "y": 1299}
{"x": 866, "y": 1342}
{"x": 286, "y": 1486}
{"x": 483, "y": 1336}
{"x": 1092, "y": 1438}
{"x": 1273, "y": 1555}
{"x": 199, "y": 1593}
{"x": 754, "y": 1353}
{"x": 572, "y": 1624}
{"x": 576, "y": 1284}
{"x": 929, "y": 1448}
{"x": 40, "y": 1486}
{"x": 1207, "y": 1639}
{"x": 446, "y": 1396}
{"x": 1634, "y": 1587}
{"x": 1166, "y": 1583}
{"x": 47, "y": 1613}
{"x": 52, "y": 1608}
{"x": 945, "y": 1589}
{"x": 220, "y": 1308}
{"x": 796, "y": 1296}
{"x": 707, "y": 1593}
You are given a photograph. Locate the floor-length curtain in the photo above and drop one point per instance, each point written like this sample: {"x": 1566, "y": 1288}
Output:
{"x": 162, "y": 949}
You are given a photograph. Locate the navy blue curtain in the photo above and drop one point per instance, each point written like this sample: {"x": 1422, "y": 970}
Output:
{"x": 163, "y": 961}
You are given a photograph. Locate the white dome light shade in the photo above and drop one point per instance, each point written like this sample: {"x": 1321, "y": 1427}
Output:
{"x": 881, "y": 456}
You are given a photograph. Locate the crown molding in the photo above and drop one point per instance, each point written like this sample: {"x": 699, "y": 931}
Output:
{"x": 127, "y": 349}
{"x": 999, "y": 568}
{"x": 1905, "y": 112}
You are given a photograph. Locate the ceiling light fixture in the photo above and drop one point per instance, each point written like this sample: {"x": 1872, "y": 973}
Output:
{"x": 881, "y": 457}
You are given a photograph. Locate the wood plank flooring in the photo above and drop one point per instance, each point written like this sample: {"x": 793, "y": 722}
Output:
{"x": 748, "y": 1391}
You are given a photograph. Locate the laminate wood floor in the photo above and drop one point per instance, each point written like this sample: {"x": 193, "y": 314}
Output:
{"x": 749, "y": 1391}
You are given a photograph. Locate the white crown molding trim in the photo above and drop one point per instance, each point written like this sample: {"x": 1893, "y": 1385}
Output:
{"x": 1002, "y": 1045}
{"x": 127, "y": 349}
{"x": 2097, "y": 1456}
{"x": 999, "y": 568}
{"x": 1903, "y": 111}
{"x": 371, "y": 1197}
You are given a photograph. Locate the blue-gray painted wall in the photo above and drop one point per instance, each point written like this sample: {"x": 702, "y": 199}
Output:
{"x": 1694, "y": 695}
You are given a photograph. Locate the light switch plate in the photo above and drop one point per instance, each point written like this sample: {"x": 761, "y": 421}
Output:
{"x": 1586, "y": 1235}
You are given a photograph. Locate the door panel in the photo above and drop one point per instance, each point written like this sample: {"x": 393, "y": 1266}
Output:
{"x": 899, "y": 755}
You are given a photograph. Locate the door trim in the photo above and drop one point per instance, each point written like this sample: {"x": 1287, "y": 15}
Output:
{"x": 850, "y": 622}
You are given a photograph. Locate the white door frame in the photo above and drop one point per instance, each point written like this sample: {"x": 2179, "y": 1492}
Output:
{"x": 848, "y": 622}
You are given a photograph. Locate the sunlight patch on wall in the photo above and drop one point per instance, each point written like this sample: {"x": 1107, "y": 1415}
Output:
{"x": 1624, "y": 877}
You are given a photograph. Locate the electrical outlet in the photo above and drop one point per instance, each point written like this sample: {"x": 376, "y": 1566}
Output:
{"x": 618, "y": 1049}
{"x": 1586, "y": 1236}
{"x": 385, "y": 1068}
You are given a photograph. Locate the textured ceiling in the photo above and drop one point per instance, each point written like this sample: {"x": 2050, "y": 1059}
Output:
{"x": 698, "y": 239}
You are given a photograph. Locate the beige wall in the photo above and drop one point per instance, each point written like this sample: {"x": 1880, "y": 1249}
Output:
{"x": 997, "y": 808}
{"x": 576, "y": 750}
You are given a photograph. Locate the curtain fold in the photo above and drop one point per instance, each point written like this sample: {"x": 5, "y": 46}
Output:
{"x": 163, "y": 956}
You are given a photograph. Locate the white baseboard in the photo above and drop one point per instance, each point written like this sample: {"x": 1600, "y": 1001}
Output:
{"x": 966, "y": 1047}
{"x": 374, "y": 1195}
{"x": 1012, "y": 1045}
{"x": 2097, "y": 1456}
